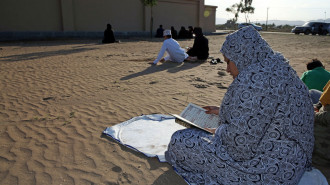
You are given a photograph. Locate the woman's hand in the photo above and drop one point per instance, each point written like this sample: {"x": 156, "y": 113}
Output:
{"x": 211, "y": 110}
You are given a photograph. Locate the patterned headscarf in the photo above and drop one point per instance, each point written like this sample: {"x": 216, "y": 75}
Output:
{"x": 267, "y": 108}
{"x": 246, "y": 47}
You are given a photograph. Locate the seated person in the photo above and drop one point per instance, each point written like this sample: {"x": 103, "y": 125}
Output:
{"x": 183, "y": 33}
{"x": 190, "y": 32}
{"x": 321, "y": 153}
{"x": 316, "y": 77}
{"x": 160, "y": 30}
{"x": 265, "y": 134}
{"x": 174, "y": 33}
{"x": 200, "y": 49}
{"x": 174, "y": 52}
{"x": 109, "y": 37}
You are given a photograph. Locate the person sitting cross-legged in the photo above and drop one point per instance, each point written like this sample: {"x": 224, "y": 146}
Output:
{"x": 174, "y": 52}
{"x": 200, "y": 49}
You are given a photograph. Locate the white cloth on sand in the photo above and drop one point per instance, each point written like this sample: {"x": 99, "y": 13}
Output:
{"x": 150, "y": 135}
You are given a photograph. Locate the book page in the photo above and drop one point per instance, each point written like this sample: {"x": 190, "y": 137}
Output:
{"x": 197, "y": 115}
{"x": 180, "y": 120}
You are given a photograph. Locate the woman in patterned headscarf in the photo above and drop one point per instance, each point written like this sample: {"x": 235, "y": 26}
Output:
{"x": 266, "y": 122}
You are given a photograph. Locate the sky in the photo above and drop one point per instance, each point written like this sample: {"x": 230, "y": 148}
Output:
{"x": 292, "y": 10}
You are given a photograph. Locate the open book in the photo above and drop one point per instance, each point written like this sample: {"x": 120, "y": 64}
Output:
{"x": 194, "y": 116}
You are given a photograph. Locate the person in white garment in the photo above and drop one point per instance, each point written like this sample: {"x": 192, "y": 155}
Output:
{"x": 174, "y": 52}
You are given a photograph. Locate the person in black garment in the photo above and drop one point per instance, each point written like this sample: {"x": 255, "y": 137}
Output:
{"x": 109, "y": 37}
{"x": 200, "y": 49}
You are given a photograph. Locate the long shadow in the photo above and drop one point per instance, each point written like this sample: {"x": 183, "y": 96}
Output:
{"x": 171, "y": 67}
{"x": 52, "y": 42}
{"x": 152, "y": 69}
{"x": 38, "y": 55}
{"x": 185, "y": 66}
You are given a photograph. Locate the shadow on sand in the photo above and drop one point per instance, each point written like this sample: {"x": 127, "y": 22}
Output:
{"x": 39, "y": 55}
{"x": 171, "y": 67}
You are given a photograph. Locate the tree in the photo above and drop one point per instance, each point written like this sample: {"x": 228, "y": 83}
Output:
{"x": 150, "y": 3}
{"x": 235, "y": 9}
{"x": 247, "y": 10}
{"x": 244, "y": 6}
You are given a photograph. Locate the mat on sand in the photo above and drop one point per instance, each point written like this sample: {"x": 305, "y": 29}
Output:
{"x": 150, "y": 135}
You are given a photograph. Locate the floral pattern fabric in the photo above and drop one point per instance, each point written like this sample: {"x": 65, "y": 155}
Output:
{"x": 266, "y": 123}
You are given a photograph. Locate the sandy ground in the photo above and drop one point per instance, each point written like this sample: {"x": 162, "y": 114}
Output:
{"x": 56, "y": 98}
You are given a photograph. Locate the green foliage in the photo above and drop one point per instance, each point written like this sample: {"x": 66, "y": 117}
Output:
{"x": 149, "y": 2}
{"x": 235, "y": 10}
{"x": 279, "y": 28}
{"x": 231, "y": 25}
{"x": 244, "y": 6}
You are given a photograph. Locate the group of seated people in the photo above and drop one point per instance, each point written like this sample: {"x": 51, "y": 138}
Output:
{"x": 186, "y": 34}
{"x": 199, "y": 50}
{"x": 109, "y": 36}
{"x": 183, "y": 33}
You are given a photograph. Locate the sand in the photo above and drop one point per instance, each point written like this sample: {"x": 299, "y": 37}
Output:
{"x": 58, "y": 96}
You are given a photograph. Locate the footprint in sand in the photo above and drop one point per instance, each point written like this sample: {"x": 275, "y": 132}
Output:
{"x": 116, "y": 169}
{"x": 200, "y": 85}
{"x": 48, "y": 98}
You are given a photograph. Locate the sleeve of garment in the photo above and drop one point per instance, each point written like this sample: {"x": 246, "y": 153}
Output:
{"x": 161, "y": 53}
{"x": 196, "y": 43}
{"x": 247, "y": 114}
{"x": 194, "y": 50}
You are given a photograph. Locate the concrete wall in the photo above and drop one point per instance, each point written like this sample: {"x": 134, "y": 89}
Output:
{"x": 123, "y": 15}
{"x": 83, "y": 16}
{"x": 209, "y": 18}
{"x": 185, "y": 13}
{"x": 175, "y": 13}
{"x": 30, "y": 15}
